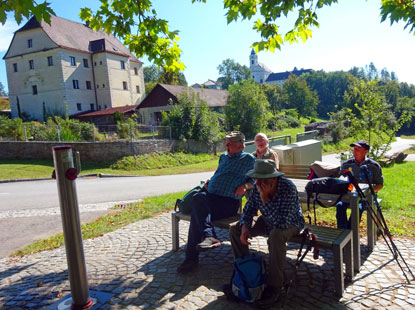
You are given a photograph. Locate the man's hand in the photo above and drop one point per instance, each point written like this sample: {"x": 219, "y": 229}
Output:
{"x": 245, "y": 235}
{"x": 206, "y": 184}
{"x": 240, "y": 190}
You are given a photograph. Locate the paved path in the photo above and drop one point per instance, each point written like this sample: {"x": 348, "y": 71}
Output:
{"x": 136, "y": 264}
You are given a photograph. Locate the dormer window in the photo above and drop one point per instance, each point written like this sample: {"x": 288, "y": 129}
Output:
{"x": 29, "y": 43}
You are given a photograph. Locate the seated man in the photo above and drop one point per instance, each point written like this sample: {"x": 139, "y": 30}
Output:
{"x": 281, "y": 218}
{"x": 360, "y": 149}
{"x": 221, "y": 200}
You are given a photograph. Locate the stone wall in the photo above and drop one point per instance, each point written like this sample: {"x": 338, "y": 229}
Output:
{"x": 102, "y": 150}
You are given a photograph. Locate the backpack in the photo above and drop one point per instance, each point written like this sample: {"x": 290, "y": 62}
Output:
{"x": 249, "y": 278}
{"x": 185, "y": 204}
{"x": 327, "y": 185}
{"x": 320, "y": 169}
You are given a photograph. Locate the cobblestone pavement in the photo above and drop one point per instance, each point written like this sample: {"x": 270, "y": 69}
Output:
{"x": 136, "y": 264}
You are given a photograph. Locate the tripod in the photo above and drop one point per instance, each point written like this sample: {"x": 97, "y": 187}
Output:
{"x": 378, "y": 218}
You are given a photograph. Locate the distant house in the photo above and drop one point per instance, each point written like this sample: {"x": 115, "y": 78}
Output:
{"x": 106, "y": 116}
{"x": 67, "y": 68}
{"x": 261, "y": 74}
{"x": 211, "y": 84}
{"x": 159, "y": 99}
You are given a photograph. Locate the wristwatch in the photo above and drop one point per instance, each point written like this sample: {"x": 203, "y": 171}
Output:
{"x": 246, "y": 186}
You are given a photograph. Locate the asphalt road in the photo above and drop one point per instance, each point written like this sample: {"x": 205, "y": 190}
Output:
{"x": 30, "y": 210}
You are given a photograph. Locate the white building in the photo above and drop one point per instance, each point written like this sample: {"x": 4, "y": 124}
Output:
{"x": 66, "y": 68}
{"x": 261, "y": 74}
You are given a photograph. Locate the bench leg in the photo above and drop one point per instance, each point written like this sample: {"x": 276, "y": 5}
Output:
{"x": 175, "y": 231}
{"x": 338, "y": 270}
{"x": 348, "y": 258}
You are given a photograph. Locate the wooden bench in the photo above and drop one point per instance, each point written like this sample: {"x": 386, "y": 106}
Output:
{"x": 328, "y": 238}
{"x": 295, "y": 171}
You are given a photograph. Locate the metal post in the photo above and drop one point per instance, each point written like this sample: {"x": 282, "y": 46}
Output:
{"x": 65, "y": 178}
{"x": 25, "y": 133}
{"x": 131, "y": 132}
{"x": 59, "y": 133}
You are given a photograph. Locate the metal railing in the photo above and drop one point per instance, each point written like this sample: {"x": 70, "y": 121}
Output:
{"x": 273, "y": 141}
{"x": 307, "y": 135}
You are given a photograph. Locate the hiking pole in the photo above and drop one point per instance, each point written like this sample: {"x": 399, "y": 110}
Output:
{"x": 385, "y": 226}
{"x": 376, "y": 219}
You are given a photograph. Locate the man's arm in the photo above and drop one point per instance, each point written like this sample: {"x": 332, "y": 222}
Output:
{"x": 245, "y": 235}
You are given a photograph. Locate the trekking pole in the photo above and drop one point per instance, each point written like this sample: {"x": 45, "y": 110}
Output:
{"x": 382, "y": 218}
{"x": 378, "y": 222}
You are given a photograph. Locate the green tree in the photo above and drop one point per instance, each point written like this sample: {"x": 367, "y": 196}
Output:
{"x": 372, "y": 118}
{"x": 232, "y": 72}
{"x": 151, "y": 73}
{"x": 154, "y": 38}
{"x": 2, "y": 90}
{"x": 300, "y": 97}
{"x": 246, "y": 108}
{"x": 275, "y": 96}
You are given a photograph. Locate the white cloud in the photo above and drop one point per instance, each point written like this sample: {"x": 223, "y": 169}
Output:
{"x": 6, "y": 34}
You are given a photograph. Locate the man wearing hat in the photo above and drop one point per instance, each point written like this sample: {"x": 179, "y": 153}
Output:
{"x": 220, "y": 200}
{"x": 360, "y": 150}
{"x": 281, "y": 218}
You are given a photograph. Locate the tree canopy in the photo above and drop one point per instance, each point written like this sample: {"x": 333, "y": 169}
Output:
{"x": 137, "y": 23}
{"x": 232, "y": 72}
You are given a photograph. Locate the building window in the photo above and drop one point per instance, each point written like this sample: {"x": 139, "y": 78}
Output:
{"x": 92, "y": 106}
{"x": 100, "y": 62}
{"x": 31, "y": 64}
{"x": 95, "y": 63}
{"x": 135, "y": 71}
{"x": 50, "y": 61}
{"x": 122, "y": 63}
{"x": 15, "y": 67}
{"x": 99, "y": 107}
{"x": 105, "y": 106}
{"x": 79, "y": 106}
{"x": 34, "y": 89}
{"x": 29, "y": 43}
{"x": 86, "y": 65}
{"x": 124, "y": 85}
{"x": 137, "y": 88}
{"x": 103, "y": 85}
{"x": 252, "y": 62}
{"x": 75, "y": 84}
{"x": 88, "y": 85}
{"x": 72, "y": 59}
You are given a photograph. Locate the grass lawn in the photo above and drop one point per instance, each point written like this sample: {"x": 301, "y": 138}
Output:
{"x": 398, "y": 202}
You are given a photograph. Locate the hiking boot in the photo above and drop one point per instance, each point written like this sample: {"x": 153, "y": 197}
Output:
{"x": 188, "y": 266}
{"x": 269, "y": 297}
{"x": 208, "y": 243}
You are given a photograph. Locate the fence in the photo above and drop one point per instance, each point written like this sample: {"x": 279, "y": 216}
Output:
{"x": 302, "y": 136}
{"x": 83, "y": 133}
{"x": 280, "y": 140}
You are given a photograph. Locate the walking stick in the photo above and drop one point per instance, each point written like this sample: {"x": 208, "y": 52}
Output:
{"x": 378, "y": 218}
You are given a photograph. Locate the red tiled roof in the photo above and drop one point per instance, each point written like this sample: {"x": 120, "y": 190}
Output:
{"x": 110, "y": 111}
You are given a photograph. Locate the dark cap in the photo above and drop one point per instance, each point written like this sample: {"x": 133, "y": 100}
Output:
{"x": 362, "y": 144}
{"x": 236, "y": 136}
{"x": 264, "y": 169}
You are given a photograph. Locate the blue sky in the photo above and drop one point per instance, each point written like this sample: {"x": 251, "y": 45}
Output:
{"x": 350, "y": 34}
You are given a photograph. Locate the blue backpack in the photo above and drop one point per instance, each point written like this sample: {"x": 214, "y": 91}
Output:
{"x": 249, "y": 278}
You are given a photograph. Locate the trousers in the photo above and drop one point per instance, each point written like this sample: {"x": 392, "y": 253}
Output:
{"x": 341, "y": 214}
{"x": 277, "y": 247}
{"x": 206, "y": 208}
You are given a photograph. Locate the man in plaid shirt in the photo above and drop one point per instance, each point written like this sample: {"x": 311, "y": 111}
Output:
{"x": 281, "y": 218}
{"x": 220, "y": 200}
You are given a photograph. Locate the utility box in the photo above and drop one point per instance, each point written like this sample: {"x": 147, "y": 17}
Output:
{"x": 300, "y": 153}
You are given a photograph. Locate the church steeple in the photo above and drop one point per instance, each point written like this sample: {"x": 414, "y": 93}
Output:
{"x": 253, "y": 59}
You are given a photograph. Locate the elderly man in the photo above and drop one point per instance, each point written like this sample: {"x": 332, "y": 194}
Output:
{"x": 360, "y": 150}
{"x": 281, "y": 218}
{"x": 262, "y": 149}
{"x": 220, "y": 200}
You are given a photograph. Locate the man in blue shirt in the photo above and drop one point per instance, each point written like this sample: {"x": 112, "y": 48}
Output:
{"x": 220, "y": 200}
{"x": 281, "y": 218}
{"x": 360, "y": 150}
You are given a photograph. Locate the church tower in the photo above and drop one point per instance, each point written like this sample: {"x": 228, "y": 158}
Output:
{"x": 259, "y": 71}
{"x": 253, "y": 59}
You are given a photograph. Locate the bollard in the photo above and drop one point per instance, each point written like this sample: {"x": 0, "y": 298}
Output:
{"x": 65, "y": 178}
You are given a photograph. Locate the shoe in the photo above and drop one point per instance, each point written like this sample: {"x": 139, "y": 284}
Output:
{"x": 269, "y": 297}
{"x": 227, "y": 290}
{"x": 208, "y": 243}
{"x": 188, "y": 266}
